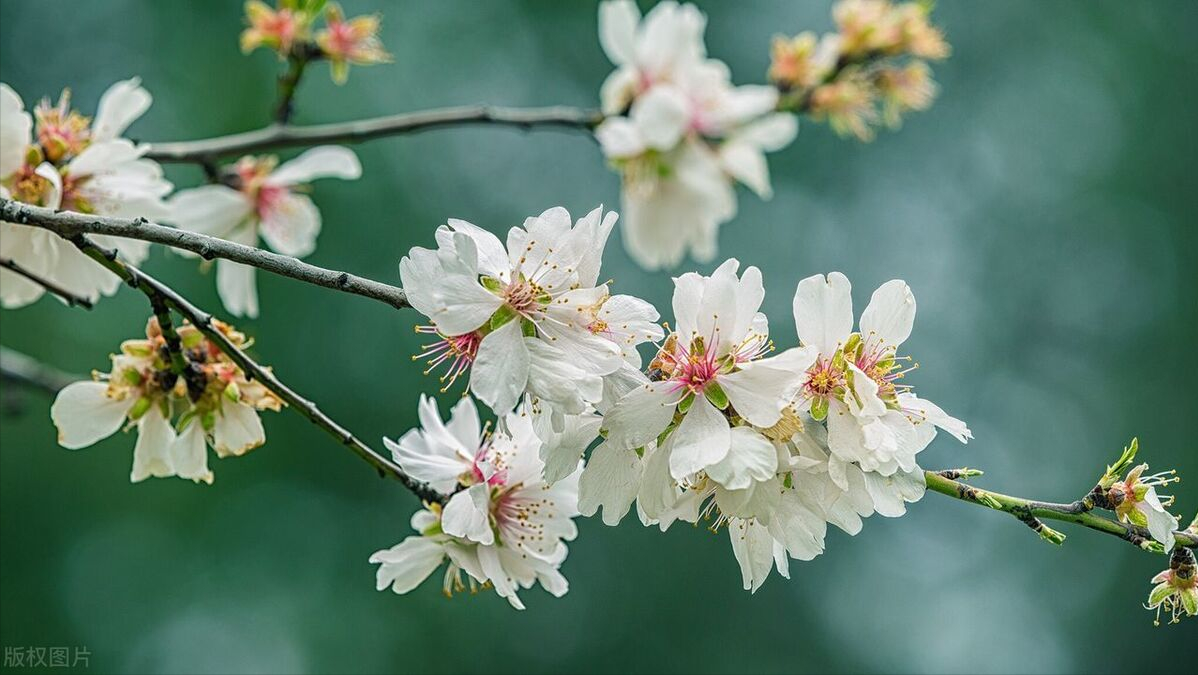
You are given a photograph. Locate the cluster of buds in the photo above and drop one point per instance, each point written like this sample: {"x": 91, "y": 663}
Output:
{"x": 181, "y": 393}
{"x": 872, "y": 70}
{"x": 290, "y": 31}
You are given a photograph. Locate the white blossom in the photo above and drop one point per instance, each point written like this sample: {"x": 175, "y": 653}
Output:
{"x": 679, "y": 132}
{"x": 505, "y": 525}
{"x": 214, "y": 405}
{"x": 855, "y": 384}
{"x": 66, "y": 161}
{"x": 266, "y": 200}
{"x": 528, "y": 318}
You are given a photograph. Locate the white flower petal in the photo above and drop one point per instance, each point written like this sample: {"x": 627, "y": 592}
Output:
{"x": 500, "y": 370}
{"x": 16, "y": 130}
{"x": 189, "y": 454}
{"x": 488, "y": 558}
{"x": 823, "y": 309}
{"x": 662, "y": 116}
{"x": 237, "y": 288}
{"x": 618, "y": 20}
{"x": 84, "y": 414}
{"x": 754, "y": 550}
{"x": 237, "y": 429}
{"x": 751, "y": 458}
{"x": 890, "y": 313}
{"x": 640, "y": 415}
{"x": 119, "y": 107}
{"x": 611, "y": 479}
{"x": 291, "y": 225}
{"x": 152, "y": 452}
{"x": 210, "y": 209}
{"x": 325, "y": 161}
{"x": 467, "y": 515}
{"x": 701, "y": 439}
{"x": 404, "y": 566}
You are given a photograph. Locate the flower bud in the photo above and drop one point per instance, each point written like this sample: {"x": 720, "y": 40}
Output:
{"x": 354, "y": 41}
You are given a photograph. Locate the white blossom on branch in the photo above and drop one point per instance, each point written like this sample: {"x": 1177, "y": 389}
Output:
{"x": 266, "y": 200}
{"x": 679, "y": 132}
{"x": 59, "y": 158}
{"x": 505, "y": 528}
{"x": 179, "y": 404}
{"x": 526, "y": 318}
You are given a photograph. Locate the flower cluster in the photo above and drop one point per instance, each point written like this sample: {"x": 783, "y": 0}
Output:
{"x": 873, "y": 69}
{"x": 179, "y": 403}
{"x": 260, "y": 198}
{"x": 773, "y": 447}
{"x": 61, "y": 159}
{"x": 679, "y": 132}
{"x": 506, "y": 526}
{"x": 288, "y": 30}
{"x": 720, "y": 425}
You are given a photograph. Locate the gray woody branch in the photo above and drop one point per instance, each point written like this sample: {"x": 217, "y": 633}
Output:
{"x": 286, "y": 135}
{"x": 68, "y": 224}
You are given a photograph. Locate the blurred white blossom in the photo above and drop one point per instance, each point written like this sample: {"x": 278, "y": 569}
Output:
{"x": 265, "y": 200}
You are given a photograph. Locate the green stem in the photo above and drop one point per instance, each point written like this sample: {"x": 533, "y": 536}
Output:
{"x": 297, "y": 61}
{"x": 1028, "y": 510}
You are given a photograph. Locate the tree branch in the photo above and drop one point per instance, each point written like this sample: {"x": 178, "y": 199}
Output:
{"x": 68, "y": 297}
{"x": 157, "y": 292}
{"x": 68, "y": 224}
{"x": 286, "y": 136}
{"x": 1027, "y": 511}
{"x": 22, "y": 369}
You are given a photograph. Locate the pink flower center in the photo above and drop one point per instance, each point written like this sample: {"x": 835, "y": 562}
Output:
{"x": 268, "y": 199}
{"x": 692, "y": 369}
{"x": 521, "y": 297}
{"x": 458, "y": 351}
{"x": 823, "y": 380}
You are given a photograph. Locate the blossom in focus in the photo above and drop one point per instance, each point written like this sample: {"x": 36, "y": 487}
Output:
{"x": 528, "y": 318}
{"x": 679, "y": 132}
{"x": 267, "y": 200}
{"x": 212, "y": 400}
{"x": 1135, "y": 501}
{"x": 278, "y": 29}
{"x": 353, "y": 41}
{"x": 856, "y": 383}
{"x": 710, "y": 367}
{"x": 506, "y": 527}
{"x": 60, "y": 159}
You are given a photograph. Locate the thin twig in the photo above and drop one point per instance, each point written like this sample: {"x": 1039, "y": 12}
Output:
{"x": 286, "y": 136}
{"x": 68, "y": 297}
{"x": 1030, "y": 511}
{"x": 19, "y": 368}
{"x": 297, "y": 60}
{"x": 157, "y": 291}
{"x": 68, "y": 224}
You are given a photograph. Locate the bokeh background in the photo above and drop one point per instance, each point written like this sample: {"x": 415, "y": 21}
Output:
{"x": 1043, "y": 211}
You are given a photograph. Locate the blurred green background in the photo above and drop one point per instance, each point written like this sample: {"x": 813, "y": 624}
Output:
{"x": 1043, "y": 211}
